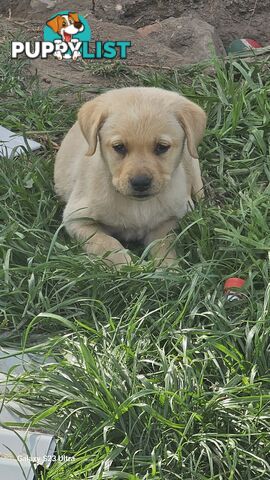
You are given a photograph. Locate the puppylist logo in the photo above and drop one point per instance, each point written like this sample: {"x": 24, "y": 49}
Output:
{"x": 67, "y": 35}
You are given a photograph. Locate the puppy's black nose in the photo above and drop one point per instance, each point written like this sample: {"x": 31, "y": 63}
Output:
{"x": 78, "y": 25}
{"x": 141, "y": 183}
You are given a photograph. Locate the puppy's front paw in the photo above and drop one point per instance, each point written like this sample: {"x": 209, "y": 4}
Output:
{"x": 166, "y": 263}
{"x": 118, "y": 259}
{"x": 170, "y": 260}
{"x": 109, "y": 249}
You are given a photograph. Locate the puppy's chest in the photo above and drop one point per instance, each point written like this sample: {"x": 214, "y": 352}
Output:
{"x": 133, "y": 220}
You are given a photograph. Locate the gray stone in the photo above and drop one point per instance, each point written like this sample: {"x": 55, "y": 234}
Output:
{"x": 188, "y": 36}
{"x": 43, "y": 4}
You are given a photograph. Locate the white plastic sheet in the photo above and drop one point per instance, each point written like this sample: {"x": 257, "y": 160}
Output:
{"x": 11, "y": 142}
{"x": 21, "y": 449}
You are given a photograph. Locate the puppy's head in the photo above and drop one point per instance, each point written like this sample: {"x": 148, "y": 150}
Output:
{"x": 142, "y": 134}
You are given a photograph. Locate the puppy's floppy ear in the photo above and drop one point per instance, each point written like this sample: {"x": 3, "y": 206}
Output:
{"x": 91, "y": 117}
{"x": 74, "y": 16}
{"x": 193, "y": 120}
{"x": 53, "y": 23}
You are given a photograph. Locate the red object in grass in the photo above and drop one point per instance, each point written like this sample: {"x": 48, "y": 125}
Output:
{"x": 234, "y": 282}
{"x": 242, "y": 44}
{"x": 230, "y": 288}
{"x": 249, "y": 42}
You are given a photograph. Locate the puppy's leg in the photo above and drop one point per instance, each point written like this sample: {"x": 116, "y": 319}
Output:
{"x": 162, "y": 251}
{"x": 96, "y": 241}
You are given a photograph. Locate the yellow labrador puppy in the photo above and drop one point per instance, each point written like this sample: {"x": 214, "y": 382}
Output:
{"x": 127, "y": 170}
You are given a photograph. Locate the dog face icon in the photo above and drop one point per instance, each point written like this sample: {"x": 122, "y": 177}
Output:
{"x": 66, "y": 25}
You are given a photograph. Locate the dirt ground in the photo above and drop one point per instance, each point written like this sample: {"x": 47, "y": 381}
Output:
{"x": 231, "y": 18}
{"x": 54, "y": 73}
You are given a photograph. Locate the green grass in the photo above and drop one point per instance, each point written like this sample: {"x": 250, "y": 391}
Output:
{"x": 154, "y": 374}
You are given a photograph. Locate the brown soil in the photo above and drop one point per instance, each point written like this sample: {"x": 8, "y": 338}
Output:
{"x": 232, "y": 18}
{"x": 54, "y": 73}
{"x": 11, "y": 6}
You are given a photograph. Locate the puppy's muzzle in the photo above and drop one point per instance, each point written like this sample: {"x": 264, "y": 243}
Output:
{"x": 141, "y": 184}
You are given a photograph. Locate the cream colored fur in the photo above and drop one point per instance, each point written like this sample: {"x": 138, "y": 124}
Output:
{"x": 94, "y": 180}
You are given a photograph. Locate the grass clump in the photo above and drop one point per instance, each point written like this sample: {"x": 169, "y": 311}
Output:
{"x": 152, "y": 375}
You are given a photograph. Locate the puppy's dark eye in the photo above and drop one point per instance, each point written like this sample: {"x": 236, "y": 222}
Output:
{"x": 120, "y": 148}
{"x": 160, "y": 148}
